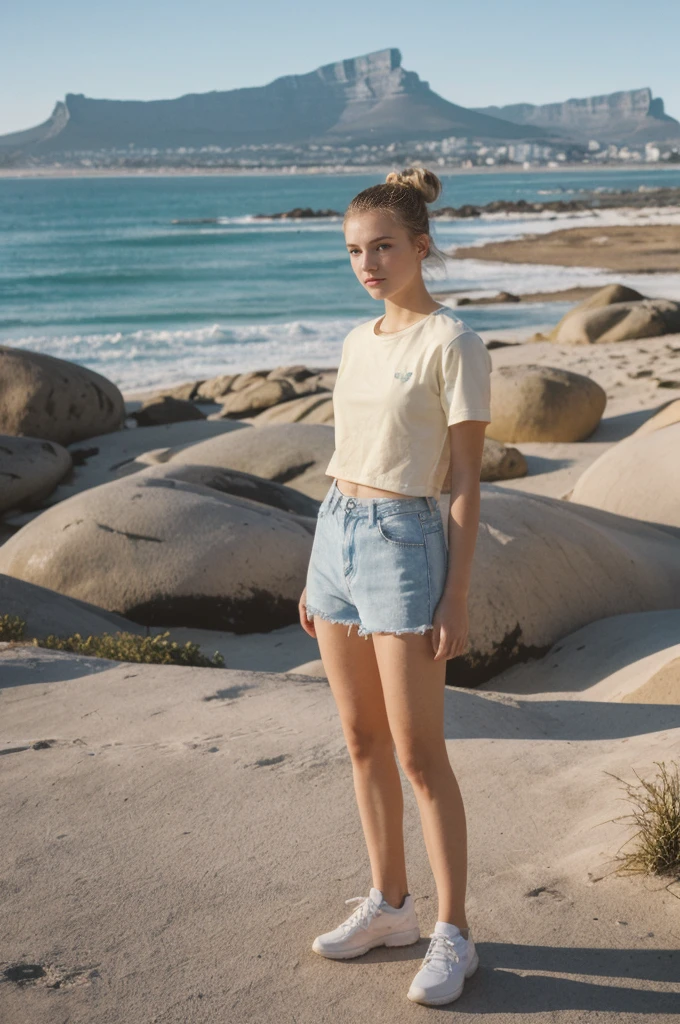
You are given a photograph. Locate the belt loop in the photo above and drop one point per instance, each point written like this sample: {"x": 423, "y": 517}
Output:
{"x": 336, "y": 496}
{"x": 432, "y": 503}
{"x": 372, "y": 512}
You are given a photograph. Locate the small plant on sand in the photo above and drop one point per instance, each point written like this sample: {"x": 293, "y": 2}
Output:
{"x": 12, "y": 628}
{"x": 656, "y": 814}
{"x": 159, "y": 649}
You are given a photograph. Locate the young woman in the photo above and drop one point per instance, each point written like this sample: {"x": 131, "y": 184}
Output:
{"x": 411, "y": 403}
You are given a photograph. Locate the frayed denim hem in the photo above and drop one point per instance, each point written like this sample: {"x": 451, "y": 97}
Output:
{"x": 394, "y": 632}
{"x": 311, "y": 611}
{"x": 361, "y": 630}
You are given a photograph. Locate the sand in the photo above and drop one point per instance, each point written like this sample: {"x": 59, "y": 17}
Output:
{"x": 634, "y": 249}
{"x": 187, "y": 832}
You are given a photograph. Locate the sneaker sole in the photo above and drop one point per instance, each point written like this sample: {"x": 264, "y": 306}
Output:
{"x": 442, "y": 1000}
{"x": 406, "y": 938}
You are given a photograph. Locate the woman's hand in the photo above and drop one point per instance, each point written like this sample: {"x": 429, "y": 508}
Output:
{"x": 306, "y": 623}
{"x": 450, "y": 621}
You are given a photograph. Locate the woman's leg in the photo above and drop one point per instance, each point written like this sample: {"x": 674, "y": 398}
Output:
{"x": 354, "y": 680}
{"x": 413, "y": 687}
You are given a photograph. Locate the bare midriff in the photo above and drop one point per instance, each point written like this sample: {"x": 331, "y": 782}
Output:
{"x": 353, "y": 490}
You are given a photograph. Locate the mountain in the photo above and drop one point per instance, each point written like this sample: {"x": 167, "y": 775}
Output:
{"x": 620, "y": 117}
{"x": 368, "y": 99}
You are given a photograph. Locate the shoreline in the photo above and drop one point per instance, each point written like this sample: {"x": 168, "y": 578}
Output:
{"x": 575, "y": 294}
{"x": 187, "y": 172}
{"x": 631, "y": 249}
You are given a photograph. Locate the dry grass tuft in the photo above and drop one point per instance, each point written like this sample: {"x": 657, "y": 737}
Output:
{"x": 656, "y": 813}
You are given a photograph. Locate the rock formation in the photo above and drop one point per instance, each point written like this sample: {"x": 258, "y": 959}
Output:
{"x": 371, "y": 98}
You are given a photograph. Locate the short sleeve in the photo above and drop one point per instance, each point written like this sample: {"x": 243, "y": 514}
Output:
{"x": 465, "y": 384}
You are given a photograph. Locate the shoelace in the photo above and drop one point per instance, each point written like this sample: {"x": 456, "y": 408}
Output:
{"x": 441, "y": 950}
{"x": 363, "y": 914}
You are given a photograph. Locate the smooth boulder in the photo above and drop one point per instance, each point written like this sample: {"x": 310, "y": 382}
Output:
{"x": 498, "y": 463}
{"x": 544, "y": 567}
{"x": 166, "y": 409}
{"x": 165, "y": 551}
{"x": 607, "y": 296}
{"x": 530, "y": 402}
{"x": 111, "y": 456}
{"x": 621, "y": 321}
{"x": 314, "y": 408}
{"x": 638, "y": 477}
{"x": 292, "y": 453}
{"x": 49, "y": 398}
{"x": 663, "y": 418}
{"x": 30, "y": 469}
{"x": 245, "y": 485}
{"x": 45, "y": 611}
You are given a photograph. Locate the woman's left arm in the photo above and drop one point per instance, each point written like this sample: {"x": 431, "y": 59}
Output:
{"x": 450, "y": 633}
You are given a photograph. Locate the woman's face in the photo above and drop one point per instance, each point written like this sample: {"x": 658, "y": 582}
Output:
{"x": 384, "y": 257}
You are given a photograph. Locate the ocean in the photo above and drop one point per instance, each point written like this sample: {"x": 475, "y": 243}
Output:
{"x": 156, "y": 280}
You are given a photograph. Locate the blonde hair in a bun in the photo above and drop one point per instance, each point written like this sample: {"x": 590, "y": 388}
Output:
{"x": 405, "y": 194}
{"x": 426, "y": 182}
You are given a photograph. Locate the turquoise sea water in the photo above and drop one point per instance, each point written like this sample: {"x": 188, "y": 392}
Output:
{"x": 94, "y": 269}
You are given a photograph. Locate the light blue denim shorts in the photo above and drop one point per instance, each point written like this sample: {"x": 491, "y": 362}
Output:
{"x": 377, "y": 563}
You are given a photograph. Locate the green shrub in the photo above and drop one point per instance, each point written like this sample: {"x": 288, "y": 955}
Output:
{"x": 12, "y": 628}
{"x": 158, "y": 650}
{"x": 657, "y": 817}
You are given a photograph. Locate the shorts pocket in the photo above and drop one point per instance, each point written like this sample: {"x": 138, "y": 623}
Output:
{"x": 402, "y": 528}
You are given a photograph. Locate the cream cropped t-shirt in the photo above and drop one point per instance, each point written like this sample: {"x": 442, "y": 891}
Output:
{"x": 396, "y": 395}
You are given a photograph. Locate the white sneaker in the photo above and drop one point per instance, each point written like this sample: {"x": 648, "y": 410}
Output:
{"x": 450, "y": 959}
{"x": 373, "y": 923}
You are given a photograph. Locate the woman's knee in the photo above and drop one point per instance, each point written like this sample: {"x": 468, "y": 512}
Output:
{"x": 423, "y": 763}
{"x": 365, "y": 743}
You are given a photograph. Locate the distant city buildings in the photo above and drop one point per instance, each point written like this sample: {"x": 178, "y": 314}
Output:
{"x": 447, "y": 153}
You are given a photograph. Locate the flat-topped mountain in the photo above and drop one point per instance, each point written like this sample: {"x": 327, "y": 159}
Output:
{"x": 367, "y": 99}
{"x": 631, "y": 116}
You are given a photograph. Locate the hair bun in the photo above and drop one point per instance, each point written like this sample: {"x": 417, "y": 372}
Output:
{"x": 424, "y": 181}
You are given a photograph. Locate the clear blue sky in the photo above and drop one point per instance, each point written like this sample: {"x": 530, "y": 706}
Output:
{"x": 475, "y": 54}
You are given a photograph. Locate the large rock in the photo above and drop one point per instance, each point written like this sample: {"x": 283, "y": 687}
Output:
{"x": 45, "y": 611}
{"x": 244, "y": 485}
{"x": 49, "y": 398}
{"x": 267, "y": 394}
{"x": 314, "y": 408}
{"x": 621, "y": 321}
{"x": 638, "y": 477}
{"x": 663, "y": 418}
{"x": 606, "y": 296}
{"x": 292, "y": 453}
{"x": 498, "y": 463}
{"x": 260, "y": 394}
{"x": 544, "y": 567}
{"x": 620, "y": 659}
{"x": 163, "y": 551}
{"x": 109, "y": 457}
{"x": 530, "y": 402}
{"x": 166, "y": 409}
{"x": 29, "y": 470}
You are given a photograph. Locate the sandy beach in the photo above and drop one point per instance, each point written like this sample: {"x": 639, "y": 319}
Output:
{"x": 638, "y": 249}
{"x": 179, "y": 834}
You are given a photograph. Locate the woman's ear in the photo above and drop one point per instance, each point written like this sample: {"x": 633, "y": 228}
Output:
{"x": 422, "y": 246}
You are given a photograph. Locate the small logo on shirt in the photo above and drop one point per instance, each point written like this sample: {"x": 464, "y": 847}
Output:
{"x": 403, "y": 377}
